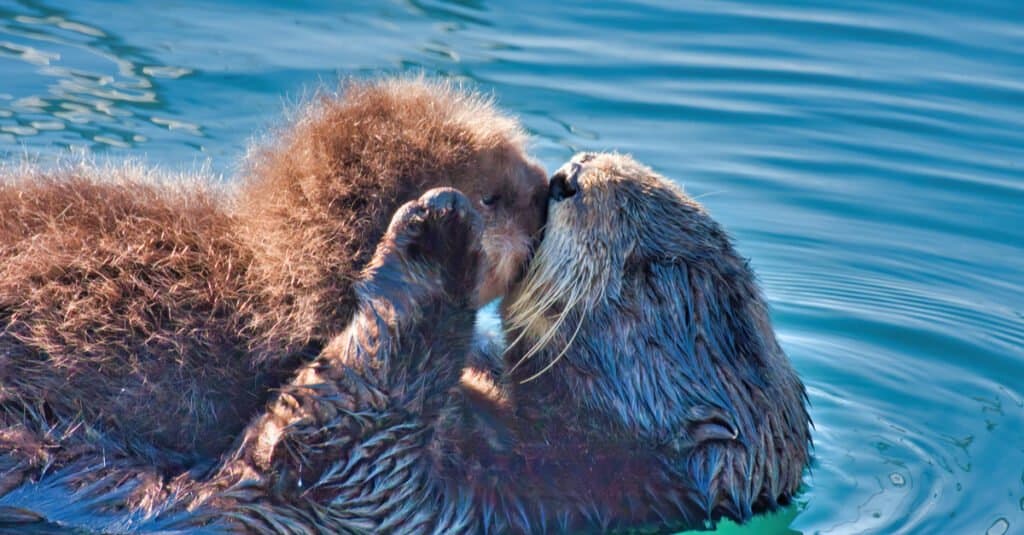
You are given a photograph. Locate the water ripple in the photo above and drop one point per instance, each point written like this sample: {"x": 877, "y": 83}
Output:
{"x": 867, "y": 156}
{"x": 86, "y": 90}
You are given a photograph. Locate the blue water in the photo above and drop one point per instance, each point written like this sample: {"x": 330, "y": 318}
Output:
{"x": 869, "y": 158}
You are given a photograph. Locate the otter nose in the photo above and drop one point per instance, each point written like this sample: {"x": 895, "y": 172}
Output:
{"x": 564, "y": 185}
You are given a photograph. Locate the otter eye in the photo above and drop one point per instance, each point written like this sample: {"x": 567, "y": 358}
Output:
{"x": 489, "y": 200}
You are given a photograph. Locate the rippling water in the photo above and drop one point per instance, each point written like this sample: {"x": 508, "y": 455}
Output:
{"x": 869, "y": 158}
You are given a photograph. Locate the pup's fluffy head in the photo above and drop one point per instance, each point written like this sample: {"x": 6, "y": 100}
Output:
{"x": 320, "y": 193}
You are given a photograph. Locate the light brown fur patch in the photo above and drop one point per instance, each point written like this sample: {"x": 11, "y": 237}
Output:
{"x": 319, "y": 195}
{"x": 164, "y": 313}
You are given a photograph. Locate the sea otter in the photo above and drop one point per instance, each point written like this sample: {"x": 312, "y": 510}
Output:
{"x": 639, "y": 331}
{"x": 152, "y": 319}
{"x": 645, "y": 390}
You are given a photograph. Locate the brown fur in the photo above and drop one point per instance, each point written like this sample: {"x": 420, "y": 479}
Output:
{"x": 160, "y": 315}
{"x": 122, "y": 303}
{"x": 320, "y": 195}
{"x": 661, "y": 400}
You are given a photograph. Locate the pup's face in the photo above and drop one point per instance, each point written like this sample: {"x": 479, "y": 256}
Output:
{"x": 510, "y": 193}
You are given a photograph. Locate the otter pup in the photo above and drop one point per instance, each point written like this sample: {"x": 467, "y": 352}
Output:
{"x": 152, "y": 320}
{"x": 317, "y": 198}
{"x": 646, "y": 390}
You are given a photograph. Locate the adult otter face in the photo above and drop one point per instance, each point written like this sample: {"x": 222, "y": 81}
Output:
{"x": 639, "y": 320}
{"x": 608, "y": 217}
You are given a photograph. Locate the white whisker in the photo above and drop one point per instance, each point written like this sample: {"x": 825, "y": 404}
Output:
{"x": 552, "y": 331}
{"x": 708, "y": 194}
{"x": 555, "y": 277}
{"x": 568, "y": 344}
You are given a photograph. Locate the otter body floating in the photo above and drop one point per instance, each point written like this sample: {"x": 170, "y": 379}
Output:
{"x": 643, "y": 389}
{"x": 644, "y": 386}
{"x": 639, "y": 329}
{"x": 150, "y": 319}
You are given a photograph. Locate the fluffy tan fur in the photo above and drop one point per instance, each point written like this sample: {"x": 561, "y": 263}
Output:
{"x": 162, "y": 314}
{"x": 320, "y": 195}
{"x": 122, "y": 304}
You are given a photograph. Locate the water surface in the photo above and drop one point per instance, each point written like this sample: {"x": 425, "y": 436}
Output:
{"x": 868, "y": 157}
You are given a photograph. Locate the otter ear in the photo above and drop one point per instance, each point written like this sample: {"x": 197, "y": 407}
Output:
{"x": 711, "y": 423}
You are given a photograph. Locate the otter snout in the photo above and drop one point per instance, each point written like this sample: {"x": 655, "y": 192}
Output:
{"x": 565, "y": 182}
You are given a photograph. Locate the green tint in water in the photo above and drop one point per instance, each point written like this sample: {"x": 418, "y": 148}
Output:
{"x": 868, "y": 157}
{"x": 771, "y": 524}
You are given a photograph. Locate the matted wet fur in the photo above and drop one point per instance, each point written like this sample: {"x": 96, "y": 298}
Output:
{"x": 353, "y": 428}
{"x": 639, "y": 328}
{"x": 149, "y": 319}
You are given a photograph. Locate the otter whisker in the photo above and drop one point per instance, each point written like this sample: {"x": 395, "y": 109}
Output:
{"x": 568, "y": 344}
{"x": 522, "y": 318}
{"x": 555, "y": 326}
{"x": 708, "y": 194}
{"x": 549, "y": 334}
{"x": 539, "y": 276}
{"x": 527, "y": 316}
{"x": 577, "y": 294}
{"x": 554, "y": 278}
{"x": 526, "y": 326}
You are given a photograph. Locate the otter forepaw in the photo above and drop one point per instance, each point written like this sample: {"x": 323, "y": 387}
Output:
{"x": 441, "y": 231}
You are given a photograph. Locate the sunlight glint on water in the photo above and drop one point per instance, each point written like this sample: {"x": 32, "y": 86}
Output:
{"x": 868, "y": 158}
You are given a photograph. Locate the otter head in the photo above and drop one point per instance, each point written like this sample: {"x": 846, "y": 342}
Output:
{"x": 510, "y": 193}
{"x": 637, "y": 317}
{"x": 319, "y": 194}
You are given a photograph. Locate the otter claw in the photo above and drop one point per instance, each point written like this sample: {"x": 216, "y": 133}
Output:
{"x": 408, "y": 220}
{"x": 445, "y": 202}
{"x": 440, "y": 216}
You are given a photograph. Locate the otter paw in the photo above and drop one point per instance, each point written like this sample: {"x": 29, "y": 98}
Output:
{"x": 441, "y": 229}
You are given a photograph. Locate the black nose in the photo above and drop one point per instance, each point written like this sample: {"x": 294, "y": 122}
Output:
{"x": 564, "y": 185}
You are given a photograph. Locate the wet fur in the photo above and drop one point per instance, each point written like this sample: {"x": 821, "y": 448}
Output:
{"x": 351, "y": 444}
{"x": 670, "y": 405}
{"x": 150, "y": 319}
{"x": 663, "y": 345}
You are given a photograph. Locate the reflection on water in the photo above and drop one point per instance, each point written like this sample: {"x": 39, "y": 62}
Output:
{"x": 79, "y": 84}
{"x": 867, "y": 156}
